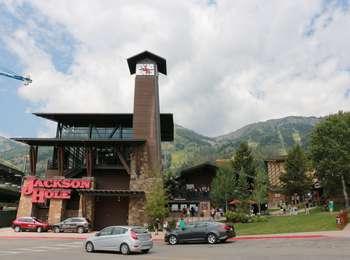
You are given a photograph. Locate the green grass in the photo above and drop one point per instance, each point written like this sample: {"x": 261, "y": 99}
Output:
{"x": 316, "y": 221}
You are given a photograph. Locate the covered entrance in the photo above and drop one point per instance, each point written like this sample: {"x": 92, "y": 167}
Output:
{"x": 111, "y": 207}
{"x": 111, "y": 210}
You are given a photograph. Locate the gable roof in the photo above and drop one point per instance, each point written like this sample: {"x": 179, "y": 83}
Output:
{"x": 161, "y": 62}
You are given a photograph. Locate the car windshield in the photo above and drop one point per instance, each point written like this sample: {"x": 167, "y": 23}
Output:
{"x": 36, "y": 219}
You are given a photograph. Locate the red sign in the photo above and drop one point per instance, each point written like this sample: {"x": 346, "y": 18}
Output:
{"x": 40, "y": 190}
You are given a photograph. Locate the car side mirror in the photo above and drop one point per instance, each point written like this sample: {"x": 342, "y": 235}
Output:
{"x": 97, "y": 234}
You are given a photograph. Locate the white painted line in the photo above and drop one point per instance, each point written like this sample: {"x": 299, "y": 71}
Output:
{"x": 52, "y": 247}
{"x": 68, "y": 245}
{"x": 9, "y": 252}
{"x": 32, "y": 249}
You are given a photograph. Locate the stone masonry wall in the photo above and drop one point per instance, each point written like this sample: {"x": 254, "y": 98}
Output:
{"x": 141, "y": 179}
{"x": 56, "y": 211}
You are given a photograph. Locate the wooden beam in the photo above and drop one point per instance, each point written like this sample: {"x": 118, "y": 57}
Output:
{"x": 60, "y": 160}
{"x": 33, "y": 155}
{"x": 123, "y": 161}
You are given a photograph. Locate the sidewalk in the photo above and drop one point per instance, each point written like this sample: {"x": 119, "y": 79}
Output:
{"x": 8, "y": 233}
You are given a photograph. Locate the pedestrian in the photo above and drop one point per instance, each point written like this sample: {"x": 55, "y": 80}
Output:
{"x": 182, "y": 223}
{"x": 165, "y": 225}
{"x": 193, "y": 211}
{"x": 156, "y": 226}
{"x": 307, "y": 208}
{"x": 212, "y": 213}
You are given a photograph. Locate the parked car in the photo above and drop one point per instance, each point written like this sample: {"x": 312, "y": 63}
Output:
{"x": 79, "y": 225}
{"x": 29, "y": 224}
{"x": 211, "y": 232}
{"x": 124, "y": 239}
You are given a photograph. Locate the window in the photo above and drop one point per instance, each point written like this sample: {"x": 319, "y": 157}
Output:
{"x": 77, "y": 220}
{"x": 201, "y": 225}
{"x": 67, "y": 220}
{"x": 119, "y": 231}
{"x": 174, "y": 207}
{"x": 140, "y": 230}
{"x": 106, "y": 231}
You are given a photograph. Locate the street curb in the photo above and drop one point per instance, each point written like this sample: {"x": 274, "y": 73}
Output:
{"x": 279, "y": 237}
{"x": 42, "y": 237}
{"x": 161, "y": 240}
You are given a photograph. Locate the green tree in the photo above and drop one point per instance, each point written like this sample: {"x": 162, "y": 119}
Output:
{"x": 260, "y": 188}
{"x": 223, "y": 187}
{"x": 295, "y": 179}
{"x": 330, "y": 152}
{"x": 157, "y": 201}
{"x": 244, "y": 161}
{"x": 243, "y": 188}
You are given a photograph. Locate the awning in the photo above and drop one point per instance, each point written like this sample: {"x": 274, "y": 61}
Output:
{"x": 120, "y": 193}
{"x": 79, "y": 142}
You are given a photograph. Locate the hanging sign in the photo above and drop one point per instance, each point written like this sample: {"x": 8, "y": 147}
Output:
{"x": 42, "y": 189}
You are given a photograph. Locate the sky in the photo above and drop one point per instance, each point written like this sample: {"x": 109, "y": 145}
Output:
{"x": 230, "y": 63}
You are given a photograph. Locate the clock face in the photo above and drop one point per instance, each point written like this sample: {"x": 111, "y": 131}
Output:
{"x": 145, "y": 69}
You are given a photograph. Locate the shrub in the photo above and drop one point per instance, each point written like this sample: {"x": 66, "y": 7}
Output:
{"x": 236, "y": 217}
{"x": 258, "y": 219}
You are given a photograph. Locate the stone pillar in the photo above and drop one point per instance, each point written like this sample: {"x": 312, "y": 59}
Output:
{"x": 55, "y": 211}
{"x": 90, "y": 209}
{"x": 87, "y": 204}
{"x": 137, "y": 214}
{"x": 25, "y": 206}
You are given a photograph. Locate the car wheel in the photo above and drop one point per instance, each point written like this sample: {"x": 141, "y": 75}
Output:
{"x": 124, "y": 249}
{"x": 39, "y": 229}
{"x": 211, "y": 238}
{"x": 56, "y": 229}
{"x": 145, "y": 251}
{"x": 17, "y": 229}
{"x": 89, "y": 247}
{"x": 80, "y": 230}
{"x": 172, "y": 240}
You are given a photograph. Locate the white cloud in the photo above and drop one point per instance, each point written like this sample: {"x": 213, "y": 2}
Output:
{"x": 229, "y": 64}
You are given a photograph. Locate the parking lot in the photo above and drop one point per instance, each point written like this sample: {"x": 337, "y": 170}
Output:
{"x": 322, "y": 248}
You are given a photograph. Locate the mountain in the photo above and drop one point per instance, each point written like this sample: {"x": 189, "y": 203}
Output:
{"x": 16, "y": 154}
{"x": 267, "y": 139}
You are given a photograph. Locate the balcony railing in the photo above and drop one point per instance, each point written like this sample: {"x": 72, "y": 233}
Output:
{"x": 191, "y": 195}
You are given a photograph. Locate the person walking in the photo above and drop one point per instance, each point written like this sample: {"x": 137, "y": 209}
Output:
{"x": 156, "y": 226}
{"x": 182, "y": 223}
{"x": 165, "y": 225}
{"x": 307, "y": 208}
{"x": 193, "y": 211}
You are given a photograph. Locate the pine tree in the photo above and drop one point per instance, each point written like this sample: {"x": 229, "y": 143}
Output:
{"x": 244, "y": 160}
{"x": 295, "y": 179}
{"x": 243, "y": 187}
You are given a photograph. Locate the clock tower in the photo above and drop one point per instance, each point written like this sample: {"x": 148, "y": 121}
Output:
{"x": 146, "y": 117}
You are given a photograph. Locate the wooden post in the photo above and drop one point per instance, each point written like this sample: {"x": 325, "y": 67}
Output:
{"x": 60, "y": 160}
{"x": 123, "y": 161}
{"x": 33, "y": 157}
{"x": 89, "y": 162}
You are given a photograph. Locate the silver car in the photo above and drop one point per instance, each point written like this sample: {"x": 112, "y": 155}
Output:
{"x": 124, "y": 239}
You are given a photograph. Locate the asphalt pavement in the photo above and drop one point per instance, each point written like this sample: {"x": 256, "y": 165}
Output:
{"x": 321, "y": 248}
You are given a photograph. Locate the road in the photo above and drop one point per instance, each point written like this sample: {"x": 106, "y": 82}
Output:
{"x": 324, "y": 248}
